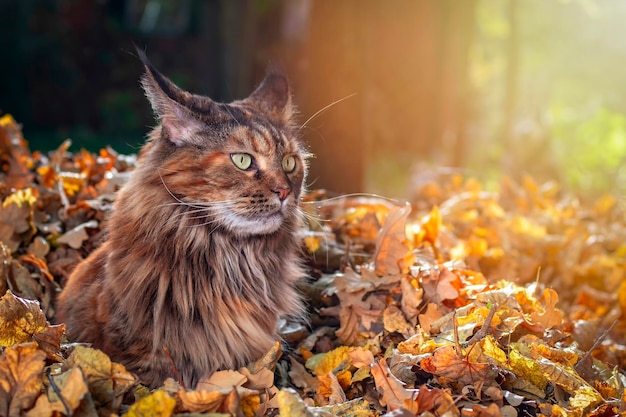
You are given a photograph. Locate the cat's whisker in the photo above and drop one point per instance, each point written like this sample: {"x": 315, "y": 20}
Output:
{"x": 321, "y": 203}
{"x": 323, "y": 109}
{"x": 315, "y": 219}
{"x": 173, "y": 196}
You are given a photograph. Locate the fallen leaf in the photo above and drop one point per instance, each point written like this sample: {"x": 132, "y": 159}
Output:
{"x": 49, "y": 341}
{"x": 157, "y": 404}
{"x": 330, "y": 389}
{"x": 392, "y": 247}
{"x": 21, "y": 369}
{"x": 446, "y": 362}
{"x": 74, "y": 238}
{"x": 431, "y": 315}
{"x": 73, "y": 389}
{"x": 20, "y": 319}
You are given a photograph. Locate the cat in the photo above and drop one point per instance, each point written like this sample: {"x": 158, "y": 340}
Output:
{"x": 200, "y": 258}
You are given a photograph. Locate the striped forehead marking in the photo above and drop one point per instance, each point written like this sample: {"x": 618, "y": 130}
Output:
{"x": 264, "y": 139}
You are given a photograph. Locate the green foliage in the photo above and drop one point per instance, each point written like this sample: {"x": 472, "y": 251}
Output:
{"x": 570, "y": 88}
{"x": 593, "y": 147}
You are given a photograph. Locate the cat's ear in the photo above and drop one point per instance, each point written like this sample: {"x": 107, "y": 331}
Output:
{"x": 273, "y": 96}
{"x": 182, "y": 115}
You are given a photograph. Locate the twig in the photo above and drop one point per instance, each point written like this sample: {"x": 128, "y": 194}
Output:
{"x": 173, "y": 368}
{"x": 484, "y": 329}
{"x": 457, "y": 345}
{"x": 599, "y": 340}
{"x": 57, "y": 391}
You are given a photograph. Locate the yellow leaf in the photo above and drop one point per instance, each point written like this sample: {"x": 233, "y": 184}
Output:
{"x": 312, "y": 243}
{"x": 432, "y": 226}
{"x": 157, "y": 404}
{"x": 201, "y": 401}
{"x": 291, "y": 405}
{"x": 527, "y": 368}
{"x": 20, "y": 198}
{"x": 328, "y": 362}
{"x": 585, "y": 398}
{"x": 7, "y": 120}
{"x": 250, "y": 404}
{"x": 20, "y": 319}
{"x": 491, "y": 350}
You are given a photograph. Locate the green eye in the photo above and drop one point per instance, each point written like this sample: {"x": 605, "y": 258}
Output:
{"x": 242, "y": 161}
{"x": 289, "y": 164}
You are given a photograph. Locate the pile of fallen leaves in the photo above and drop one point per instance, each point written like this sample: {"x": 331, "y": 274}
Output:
{"x": 464, "y": 302}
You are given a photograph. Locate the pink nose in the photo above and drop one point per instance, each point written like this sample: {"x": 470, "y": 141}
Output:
{"x": 282, "y": 192}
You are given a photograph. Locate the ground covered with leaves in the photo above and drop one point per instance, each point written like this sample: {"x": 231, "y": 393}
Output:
{"x": 463, "y": 302}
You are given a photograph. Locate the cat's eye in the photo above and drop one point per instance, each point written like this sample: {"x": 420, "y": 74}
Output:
{"x": 289, "y": 164}
{"x": 242, "y": 161}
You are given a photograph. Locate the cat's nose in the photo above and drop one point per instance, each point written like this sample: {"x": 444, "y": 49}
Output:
{"x": 281, "y": 192}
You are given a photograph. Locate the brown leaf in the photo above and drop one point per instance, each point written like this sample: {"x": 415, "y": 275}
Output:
{"x": 49, "y": 341}
{"x": 73, "y": 389}
{"x": 222, "y": 380}
{"x": 74, "y": 238}
{"x": 551, "y": 316}
{"x": 300, "y": 377}
{"x": 411, "y": 298}
{"x": 392, "y": 392}
{"x": 14, "y": 220}
{"x": 394, "y": 321}
{"x": 441, "y": 286}
{"x": 13, "y": 145}
{"x": 21, "y": 369}
{"x": 431, "y": 315}
{"x": 20, "y": 319}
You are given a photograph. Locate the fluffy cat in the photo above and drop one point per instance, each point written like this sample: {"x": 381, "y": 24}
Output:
{"x": 200, "y": 258}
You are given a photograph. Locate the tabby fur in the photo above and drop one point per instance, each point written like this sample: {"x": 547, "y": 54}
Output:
{"x": 200, "y": 258}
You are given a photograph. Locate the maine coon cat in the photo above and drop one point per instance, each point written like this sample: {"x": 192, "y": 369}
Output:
{"x": 200, "y": 257}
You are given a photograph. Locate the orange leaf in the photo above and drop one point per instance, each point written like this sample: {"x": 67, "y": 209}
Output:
{"x": 392, "y": 248}
{"x": 445, "y": 362}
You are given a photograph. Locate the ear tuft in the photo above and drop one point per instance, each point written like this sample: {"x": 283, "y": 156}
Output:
{"x": 273, "y": 96}
{"x": 181, "y": 114}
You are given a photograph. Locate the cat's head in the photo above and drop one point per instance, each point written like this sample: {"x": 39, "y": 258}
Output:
{"x": 238, "y": 167}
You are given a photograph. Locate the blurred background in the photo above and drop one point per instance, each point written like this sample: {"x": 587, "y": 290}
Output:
{"x": 421, "y": 87}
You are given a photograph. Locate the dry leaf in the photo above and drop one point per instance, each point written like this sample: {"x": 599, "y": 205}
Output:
{"x": 431, "y": 315}
{"x": 446, "y": 362}
{"x": 157, "y": 404}
{"x": 49, "y": 341}
{"x": 392, "y": 246}
{"x": 73, "y": 389}
{"x": 74, "y": 238}
{"x": 21, "y": 369}
{"x": 20, "y": 319}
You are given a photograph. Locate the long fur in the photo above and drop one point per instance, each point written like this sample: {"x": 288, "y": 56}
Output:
{"x": 200, "y": 259}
